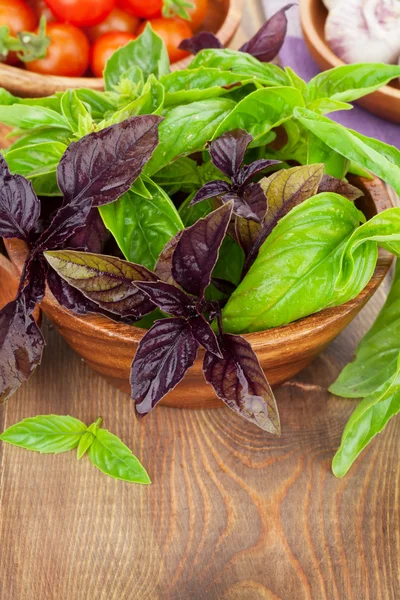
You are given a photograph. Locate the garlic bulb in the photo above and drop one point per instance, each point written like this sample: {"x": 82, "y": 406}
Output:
{"x": 364, "y": 30}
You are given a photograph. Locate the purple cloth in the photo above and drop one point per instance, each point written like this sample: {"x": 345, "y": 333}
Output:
{"x": 294, "y": 54}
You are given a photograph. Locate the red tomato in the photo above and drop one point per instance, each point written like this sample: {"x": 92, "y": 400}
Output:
{"x": 117, "y": 20}
{"x": 68, "y": 53}
{"x": 172, "y": 31}
{"x": 17, "y": 15}
{"x": 144, "y": 9}
{"x": 197, "y": 13}
{"x": 41, "y": 9}
{"x": 82, "y": 13}
{"x": 105, "y": 46}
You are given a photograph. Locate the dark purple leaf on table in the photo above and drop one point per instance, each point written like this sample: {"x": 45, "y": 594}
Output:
{"x": 332, "y": 184}
{"x": 169, "y": 298}
{"x": 204, "y": 335}
{"x": 163, "y": 268}
{"x": 163, "y": 356}
{"x": 21, "y": 346}
{"x": 106, "y": 280}
{"x": 103, "y": 165}
{"x": 267, "y": 42}
{"x": 197, "y": 251}
{"x": 239, "y": 381}
{"x": 200, "y": 41}
{"x": 93, "y": 236}
{"x": 248, "y": 171}
{"x": 19, "y": 206}
{"x": 210, "y": 190}
{"x": 227, "y": 152}
{"x": 247, "y": 233}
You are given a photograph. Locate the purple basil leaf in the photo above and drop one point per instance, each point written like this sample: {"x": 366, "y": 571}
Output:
{"x": 19, "y": 206}
{"x": 106, "y": 280}
{"x": 36, "y": 271}
{"x": 223, "y": 285}
{"x": 267, "y": 42}
{"x": 332, "y": 184}
{"x": 67, "y": 220}
{"x": 21, "y": 346}
{"x": 4, "y": 170}
{"x": 249, "y": 203}
{"x": 204, "y": 335}
{"x": 210, "y": 190}
{"x": 163, "y": 356}
{"x": 200, "y": 41}
{"x": 68, "y": 296}
{"x": 247, "y": 233}
{"x": 92, "y": 237}
{"x": 248, "y": 171}
{"x": 197, "y": 251}
{"x": 240, "y": 382}
{"x": 163, "y": 268}
{"x": 227, "y": 152}
{"x": 169, "y": 298}
{"x": 103, "y": 165}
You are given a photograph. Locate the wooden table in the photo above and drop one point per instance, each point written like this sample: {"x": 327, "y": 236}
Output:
{"x": 233, "y": 514}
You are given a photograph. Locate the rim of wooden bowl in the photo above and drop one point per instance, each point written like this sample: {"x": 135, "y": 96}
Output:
{"x": 28, "y": 84}
{"x": 326, "y": 59}
{"x": 97, "y": 325}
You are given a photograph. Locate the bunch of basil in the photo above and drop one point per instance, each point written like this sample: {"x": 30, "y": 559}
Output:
{"x": 133, "y": 161}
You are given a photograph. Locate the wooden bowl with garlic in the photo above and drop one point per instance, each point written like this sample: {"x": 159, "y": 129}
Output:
{"x": 353, "y": 31}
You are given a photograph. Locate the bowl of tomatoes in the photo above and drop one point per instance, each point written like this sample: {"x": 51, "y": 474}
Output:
{"x": 82, "y": 34}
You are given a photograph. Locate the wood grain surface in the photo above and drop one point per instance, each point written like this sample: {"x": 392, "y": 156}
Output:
{"x": 232, "y": 514}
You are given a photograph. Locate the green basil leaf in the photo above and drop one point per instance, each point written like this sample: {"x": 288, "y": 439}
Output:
{"x": 88, "y": 438}
{"x": 377, "y": 355}
{"x": 97, "y": 103}
{"x": 191, "y": 85}
{"x": 139, "y": 188}
{"x": 73, "y": 109}
{"x": 359, "y": 149}
{"x": 230, "y": 261}
{"x": 151, "y": 101}
{"x": 368, "y": 419}
{"x": 318, "y": 152}
{"x": 40, "y": 136}
{"x": 183, "y": 174}
{"x": 45, "y": 184}
{"x": 113, "y": 458}
{"x": 53, "y": 102}
{"x": 349, "y": 82}
{"x": 148, "y": 52}
{"x": 191, "y": 214}
{"x": 38, "y": 159}
{"x": 142, "y": 227}
{"x": 240, "y": 63}
{"x": 327, "y": 105}
{"x": 31, "y": 117}
{"x": 262, "y": 110}
{"x": 296, "y": 81}
{"x": 49, "y": 434}
{"x": 187, "y": 129}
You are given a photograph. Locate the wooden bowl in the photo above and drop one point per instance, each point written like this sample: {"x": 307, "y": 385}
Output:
{"x": 223, "y": 19}
{"x": 109, "y": 347}
{"x": 385, "y": 102}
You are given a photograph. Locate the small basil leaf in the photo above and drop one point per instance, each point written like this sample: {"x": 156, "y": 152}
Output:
{"x": 227, "y": 151}
{"x": 212, "y": 189}
{"x": 106, "y": 280}
{"x": 197, "y": 251}
{"x": 19, "y": 205}
{"x": 50, "y": 434}
{"x": 327, "y": 105}
{"x": 151, "y": 101}
{"x": 88, "y": 438}
{"x": 110, "y": 455}
{"x": 148, "y": 52}
{"x": 204, "y": 335}
{"x": 239, "y": 381}
{"x": 247, "y": 233}
{"x": 163, "y": 268}
{"x": 98, "y": 103}
{"x": 73, "y": 109}
{"x": 267, "y": 42}
{"x": 200, "y": 41}
{"x": 103, "y": 165}
{"x": 169, "y": 298}
{"x": 163, "y": 356}
{"x": 92, "y": 237}
{"x": 333, "y": 184}
{"x": 32, "y": 117}
{"x": 369, "y": 418}
{"x": 141, "y": 226}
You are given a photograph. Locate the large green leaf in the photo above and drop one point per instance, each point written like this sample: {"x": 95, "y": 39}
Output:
{"x": 240, "y": 63}
{"x": 359, "y": 149}
{"x": 377, "y": 354}
{"x": 50, "y": 434}
{"x": 368, "y": 419}
{"x": 349, "y": 82}
{"x": 40, "y": 136}
{"x": 317, "y": 256}
{"x": 109, "y": 454}
{"x": 31, "y": 117}
{"x": 35, "y": 160}
{"x": 187, "y": 129}
{"x": 141, "y": 226}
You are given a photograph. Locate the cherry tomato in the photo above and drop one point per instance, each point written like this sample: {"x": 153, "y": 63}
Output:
{"x": 105, "y": 46}
{"x": 82, "y": 13}
{"x": 41, "y": 9}
{"x": 172, "y": 31}
{"x": 117, "y": 20}
{"x": 17, "y": 15}
{"x": 197, "y": 13}
{"x": 144, "y": 9}
{"x": 68, "y": 53}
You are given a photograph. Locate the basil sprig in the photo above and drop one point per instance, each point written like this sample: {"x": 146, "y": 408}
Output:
{"x": 53, "y": 434}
